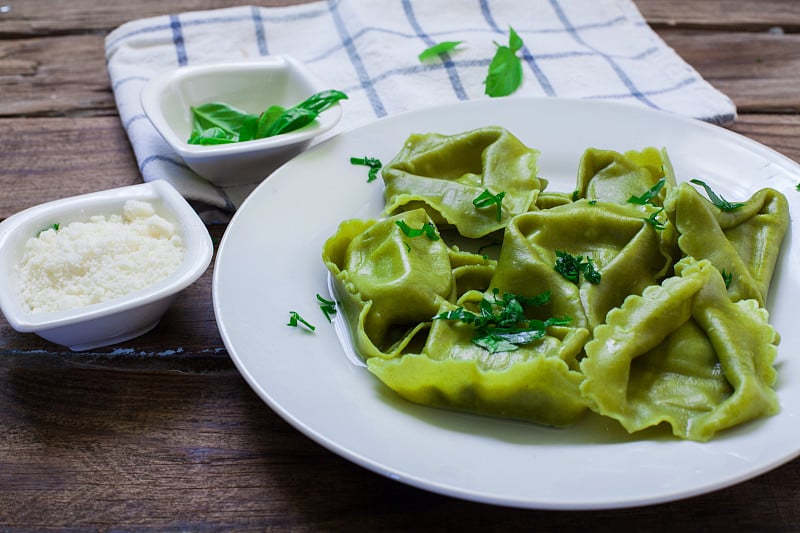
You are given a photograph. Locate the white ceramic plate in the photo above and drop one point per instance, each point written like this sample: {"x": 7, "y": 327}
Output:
{"x": 269, "y": 263}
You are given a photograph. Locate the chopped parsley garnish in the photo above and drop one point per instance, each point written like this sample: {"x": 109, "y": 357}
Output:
{"x": 572, "y": 266}
{"x": 327, "y": 307}
{"x": 652, "y": 192}
{"x": 486, "y": 199}
{"x": 717, "y": 200}
{"x": 296, "y": 320}
{"x": 427, "y": 229}
{"x": 505, "y": 70}
{"x": 53, "y": 227}
{"x": 653, "y": 220}
{"x": 373, "y": 163}
{"x": 501, "y": 325}
{"x": 728, "y": 277}
{"x": 438, "y": 49}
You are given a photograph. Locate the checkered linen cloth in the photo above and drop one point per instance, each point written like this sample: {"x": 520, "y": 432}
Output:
{"x": 597, "y": 49}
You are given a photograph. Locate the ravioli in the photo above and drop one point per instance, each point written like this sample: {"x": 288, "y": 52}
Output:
{"x": 625, "y": 249}
{"x": 670, "y": 328}
{"x": 389, "y": 284}
{"x": 685, "y": 354}
{"x": 445, "y": 173}
{"x": 534, "y": 383}
{"x": 744, "y": 242}
{"x": 616, "y": 177}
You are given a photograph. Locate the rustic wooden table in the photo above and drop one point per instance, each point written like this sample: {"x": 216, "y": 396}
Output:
{"x": 162, "y": 432}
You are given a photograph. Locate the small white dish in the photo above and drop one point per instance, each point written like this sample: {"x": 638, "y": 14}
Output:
{"x": 252, "y": 86}
{"x": 115, "y": 320}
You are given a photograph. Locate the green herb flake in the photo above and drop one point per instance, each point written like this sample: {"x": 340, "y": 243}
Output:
{"x": 295, "y": 320}
{"x": 650, "y": 195}
{"x": 573, "y": 266}
{"x": 505, "y": 70}
{"x": 427, "y": 229}
{"x": 373, "y": 163}
{"x": 654, "y": 221}
{"x": 486, "y": 199}
{"x": 717, "y": 200}
{"x": 501, "y": 325}
{"x": 328, "y": 307}
{"x": 438, "y": 49}
{"x": 53, "y": 227}
{"x": 727, "y": 277}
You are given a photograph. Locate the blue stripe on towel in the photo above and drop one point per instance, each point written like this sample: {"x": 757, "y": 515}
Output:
{"x": 177, "y": 40}
{"x": 157, "y": 157}
{"x": 355, "y": 59}
{"x": 258, "y": 24}
{"x": 623, "y": 76}
{"x": 449, "y": 66}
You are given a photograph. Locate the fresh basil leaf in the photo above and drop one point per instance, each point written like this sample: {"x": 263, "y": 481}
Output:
{"x": 514, "y": 40}
{"x": 505, "y": 70}
{"x": 218, "y": 115}
{"x": 212, "y": 136}
{"x": 290, "y": 120}
{"x": 438, "y": 49}
{"x": 209, "y": 119}
{"x": 321, "y": 101}
{"x": 249, "y": 129}
{"x": 267, "y": 119}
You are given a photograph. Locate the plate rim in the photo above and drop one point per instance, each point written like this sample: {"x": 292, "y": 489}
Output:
{"x": 426, "y": 484}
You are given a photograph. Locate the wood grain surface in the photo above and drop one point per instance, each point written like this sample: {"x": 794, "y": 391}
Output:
{"x": 162, "y": 433}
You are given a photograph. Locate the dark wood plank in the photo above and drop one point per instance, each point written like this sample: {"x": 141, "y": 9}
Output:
{"x": 779, "y": 132}
{"x": 47, "y": 17}
{"x": 42, "y": 17}
{"x": 47, "y": 159}
{"x": 93, "y": 448}
{"x": 759, "y": 72}
{"x": 55, "y": 76}
{"x": 722, "y": 14}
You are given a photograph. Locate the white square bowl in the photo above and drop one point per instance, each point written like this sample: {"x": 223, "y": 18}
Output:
{"x": 251, "y": 86}
{"x": 115, "y": 320}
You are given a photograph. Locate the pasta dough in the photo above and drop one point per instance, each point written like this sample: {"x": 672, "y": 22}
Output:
{"x": 670, "y": 329}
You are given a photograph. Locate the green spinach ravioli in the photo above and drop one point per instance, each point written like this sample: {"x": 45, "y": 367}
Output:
{"x": 632, "y": 296}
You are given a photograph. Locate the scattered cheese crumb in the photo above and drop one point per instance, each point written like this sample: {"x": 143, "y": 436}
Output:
{"x": 84, "y": 263}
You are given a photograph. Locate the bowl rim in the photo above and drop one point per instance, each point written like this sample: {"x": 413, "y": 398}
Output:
{"x": 152, "y": 90}
{"x": 197, "y": 257}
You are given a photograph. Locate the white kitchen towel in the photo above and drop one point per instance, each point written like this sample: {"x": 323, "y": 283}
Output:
{"x": 598, "y": 49}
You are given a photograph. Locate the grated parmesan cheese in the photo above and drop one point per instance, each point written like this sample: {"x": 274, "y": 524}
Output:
{"x": 84, "y": 263}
